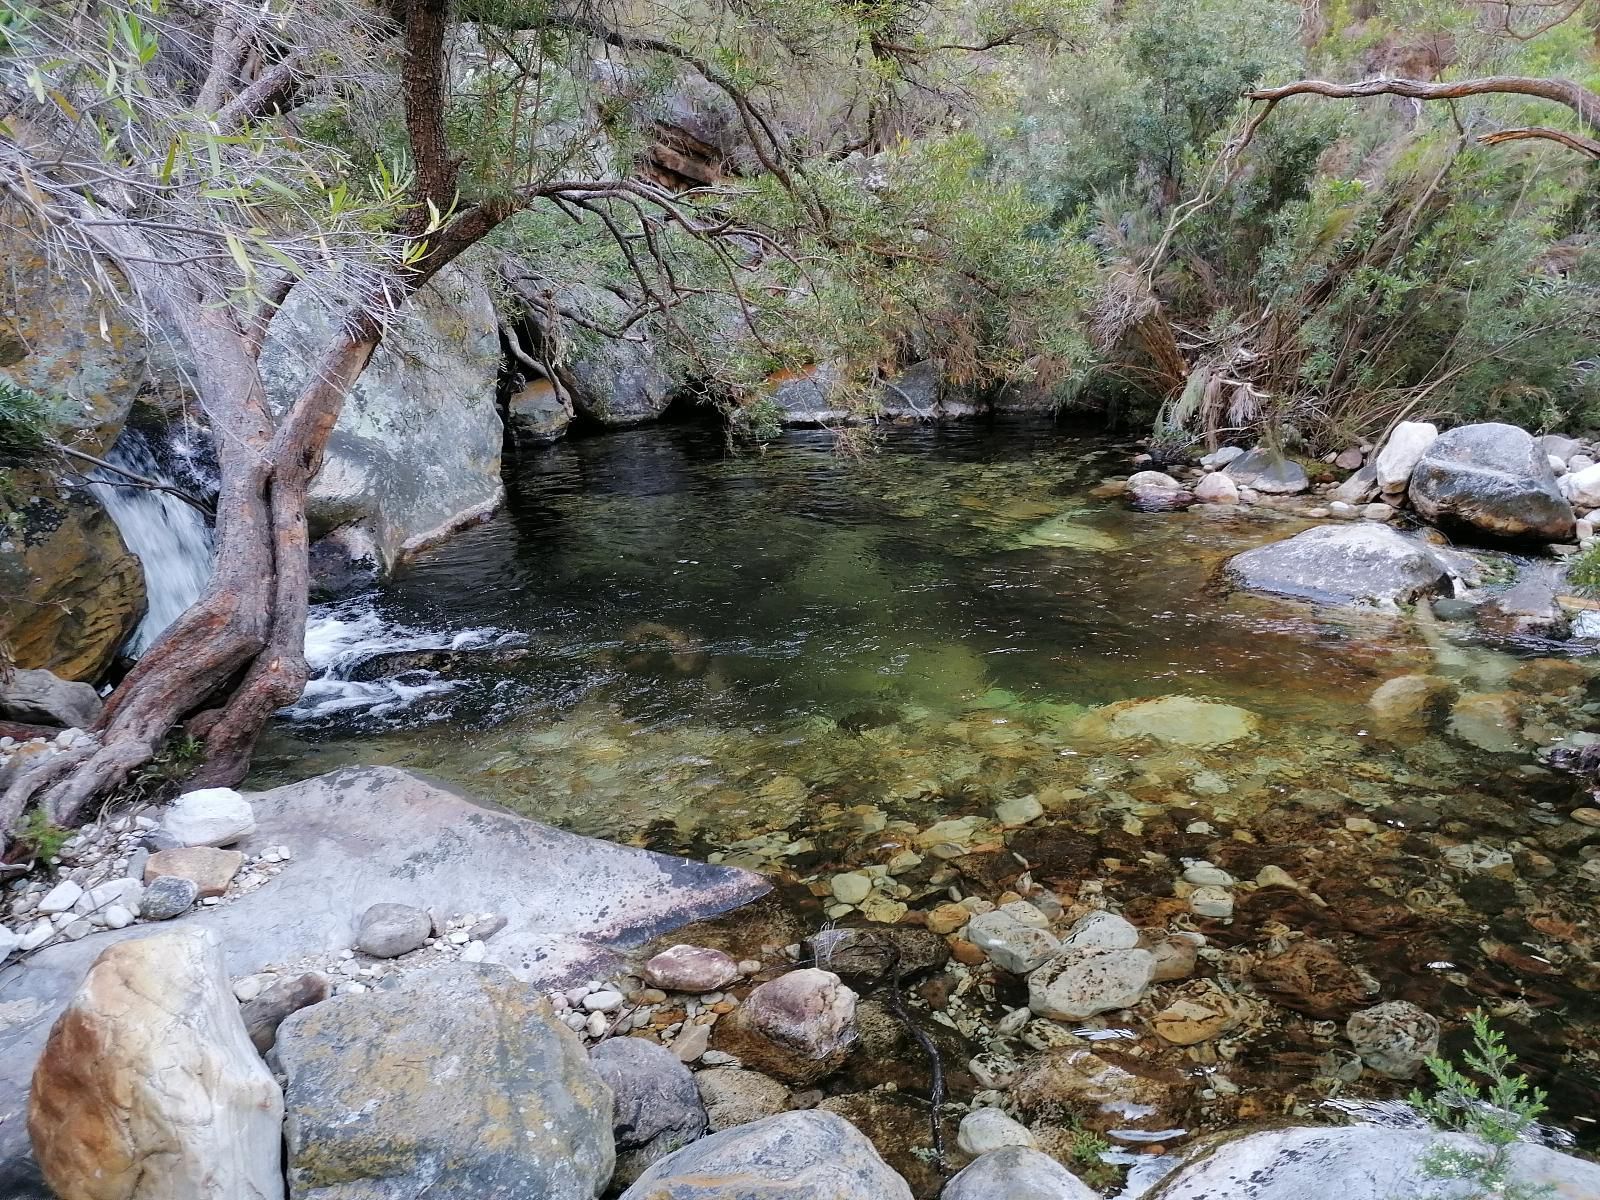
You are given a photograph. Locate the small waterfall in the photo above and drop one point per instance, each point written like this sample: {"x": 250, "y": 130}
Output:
{"x": 170, "y": 538}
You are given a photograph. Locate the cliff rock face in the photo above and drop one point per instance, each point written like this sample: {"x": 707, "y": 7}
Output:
{"x": 416, "y": 452}
{"x": 70, "y": 592}
{"x": 58, "y": 341}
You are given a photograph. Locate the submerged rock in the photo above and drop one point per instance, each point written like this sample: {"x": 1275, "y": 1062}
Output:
{"x": 1172, "y": 720}
{"x": 1394, "y": 1039}
{"x": 793, "y": 1156}
{"x": 1008, "y": 943}
{"x": 1494, "y": 479}
{"x": 149, "y": 1089}
{"x": 1119, "y": 1096}
{"x": 1310, "y": 977}
{"x": 460, "y": 1081}
{"x": 1409, "y": 701}
{"x": 1359, "y": 1162}
{"x": 733, "y": 1096}
{"x": 1083, "y": 983}
{"x": 1346, "y": 564}
{"x": 1488, "y": 720}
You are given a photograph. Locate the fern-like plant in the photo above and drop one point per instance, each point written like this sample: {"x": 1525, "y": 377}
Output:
{"x": 1496, "y": 1115}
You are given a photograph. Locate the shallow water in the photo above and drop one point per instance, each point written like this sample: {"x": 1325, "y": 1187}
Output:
{"x": 796, "y": 660}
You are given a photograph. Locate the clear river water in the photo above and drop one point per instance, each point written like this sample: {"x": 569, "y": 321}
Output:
{"x": 797, "y": 660}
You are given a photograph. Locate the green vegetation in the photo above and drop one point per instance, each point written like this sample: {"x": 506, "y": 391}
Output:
{"x": 1496, "y": 1113}
{"x": 42, "y": 837}
{"x": 26, "y": 421}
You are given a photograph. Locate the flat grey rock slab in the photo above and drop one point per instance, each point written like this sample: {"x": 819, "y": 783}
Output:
{"x": 1356, "y": 1162}
{"x": 365, "y": 835}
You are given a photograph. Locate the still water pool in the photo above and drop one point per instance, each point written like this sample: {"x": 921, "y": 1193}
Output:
{"x": 799, "y": 662}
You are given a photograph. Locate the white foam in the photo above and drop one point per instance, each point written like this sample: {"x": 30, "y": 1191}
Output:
{"x": 340, "y": 637}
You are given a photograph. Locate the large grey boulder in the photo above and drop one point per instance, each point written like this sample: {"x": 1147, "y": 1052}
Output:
{"x": 1358, "y": 1162}
{"x": 149, "y": 1088}
{"x": 1368, "y": 564}
{"x": 1016, "y": 1173}
{"x": 793, "y": 1156}
{"x": 459, "y": 1082}
{"x": 387, "y": 835}
{"x": 416, "y": 451}
{"x": 657, "y": 1104}
{"x": 615, "y": 382}
{"x": 1265, "y": 470}
{"x": 42, "y": 698}
{"x": 1492, "y": 478}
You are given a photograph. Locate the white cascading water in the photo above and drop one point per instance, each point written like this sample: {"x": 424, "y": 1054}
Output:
{"x": 170, "y": 538}
{"x": 340, "y": 637}
{"x": 174, "y": 545}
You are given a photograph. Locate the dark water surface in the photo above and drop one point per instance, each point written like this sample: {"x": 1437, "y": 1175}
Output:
{"x": 797, "y": 660}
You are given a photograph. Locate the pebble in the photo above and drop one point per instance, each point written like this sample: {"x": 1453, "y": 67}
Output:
{"x": 603, "y": 1001}
{"x": 1586, "y": 816}
{"x": 596, "y": 1026}
{"x": 474, "y": 952}
{"x": 852, "y": 887}
{"x": 36, "y": 936}
{"x": 1211, "y": 901}
{"x": 61, "y": 897}
{"x": 1203, "y": 874}
{"x": 690, "y": 1045}
{"x": 720, "y": 1058}
{"x": 1018, "y": 811}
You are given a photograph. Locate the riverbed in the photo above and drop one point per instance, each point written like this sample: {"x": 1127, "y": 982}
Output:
{"x": 798, "y": 660}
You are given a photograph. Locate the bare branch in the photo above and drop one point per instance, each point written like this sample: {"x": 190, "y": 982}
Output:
{"x": 1566, "y": 92}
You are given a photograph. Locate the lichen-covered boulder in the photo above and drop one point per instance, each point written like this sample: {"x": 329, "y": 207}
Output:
{"x": 1493, "y": 479}
{"x": 458, "y": 1082}
{"x": 70, "y": 592}
{"x": 793, "y": 1156}
{"x": 149, "y": 1088}
{"x": 59, "y": 339}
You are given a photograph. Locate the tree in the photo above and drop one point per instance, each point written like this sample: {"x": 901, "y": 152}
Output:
{"x": 202, "y": 161}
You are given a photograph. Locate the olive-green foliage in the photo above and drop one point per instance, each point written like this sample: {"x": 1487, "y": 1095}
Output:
{"x": 1360, "y": 260}
{"x": 1583, "y": 572}
{"x": 26, "y": 420}
{"x": 1496, "y": 1110}
{"x": 43, "y": 837}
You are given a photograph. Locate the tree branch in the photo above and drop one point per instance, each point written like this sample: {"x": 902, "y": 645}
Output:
{"x": 1566, "y": 92}
{"x": 1572, "y": 141}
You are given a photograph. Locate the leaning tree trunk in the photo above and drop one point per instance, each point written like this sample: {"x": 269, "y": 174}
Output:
{"x": 241, "y": 646}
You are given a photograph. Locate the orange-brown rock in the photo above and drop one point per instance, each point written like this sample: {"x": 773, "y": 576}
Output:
{"x": 149, "y": 1088}
{"x": 211, "y": 869}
